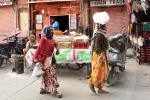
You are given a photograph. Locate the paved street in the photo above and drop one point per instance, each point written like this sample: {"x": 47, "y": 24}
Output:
{"x": 133, "y": 85}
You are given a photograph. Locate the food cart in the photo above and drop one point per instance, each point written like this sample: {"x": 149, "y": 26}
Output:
{"x": 73, "y": 49}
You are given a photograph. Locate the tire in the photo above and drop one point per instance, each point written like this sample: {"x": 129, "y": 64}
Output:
{"x": 1, "y": 61}
{"x": 112, "y": 77}
{"x": 77, "y": 67}
{"x": 123, "y": 67}
{"x": 89, "y": 69}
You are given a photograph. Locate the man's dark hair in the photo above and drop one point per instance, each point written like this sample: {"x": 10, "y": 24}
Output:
{"x": 53, "y": 18}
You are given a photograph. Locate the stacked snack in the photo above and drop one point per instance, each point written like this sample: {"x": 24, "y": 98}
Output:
{"x": 63, "y": 42}
{"x": 57, "y": 32}
{"x": 80, "y": 42}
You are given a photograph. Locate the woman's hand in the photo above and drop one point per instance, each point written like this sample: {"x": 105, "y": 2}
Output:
{"x": 35, "y": 60}
{"x": 25, "y": 50}
{"x": 57, "y": 52}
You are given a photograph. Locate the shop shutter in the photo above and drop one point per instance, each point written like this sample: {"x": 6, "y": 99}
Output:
{"x": 6, "y": 22}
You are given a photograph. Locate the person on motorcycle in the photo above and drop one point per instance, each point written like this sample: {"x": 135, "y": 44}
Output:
{"x": 99, "y": 58}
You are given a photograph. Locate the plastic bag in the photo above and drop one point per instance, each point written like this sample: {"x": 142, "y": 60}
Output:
{"x": 37, "y": 71}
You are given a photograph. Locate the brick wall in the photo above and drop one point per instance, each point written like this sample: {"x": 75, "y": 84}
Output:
{"x": 118, "y": 18}
{"x": 22, "y": 3}
{"x": 6, "y": 21}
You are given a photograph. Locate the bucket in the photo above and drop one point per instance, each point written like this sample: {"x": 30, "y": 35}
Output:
{"x": 17, "y": 63}
{"x": 19, "y": 67}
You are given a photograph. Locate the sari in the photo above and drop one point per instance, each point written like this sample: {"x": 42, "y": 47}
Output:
{"x": 44, "y": 54}
{"x": 99, "y": 70}
{"x": 49, "y": 79}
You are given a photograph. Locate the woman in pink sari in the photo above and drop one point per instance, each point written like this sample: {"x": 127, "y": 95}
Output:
{"x": 44, "y": 55}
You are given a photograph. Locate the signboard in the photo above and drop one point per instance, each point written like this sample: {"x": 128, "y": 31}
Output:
{"x": 73, "y": 56}
{"x": 73, "y": 21}
{"x": 6, "y": 2}
{"x": 38, "y": 19}
{"x": 39, "y": 26}
{"x": 107, "y": 2}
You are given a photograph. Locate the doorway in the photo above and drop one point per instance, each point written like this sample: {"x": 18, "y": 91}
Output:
{"x": 24, "y": 20}
{"x": 63, "y": 22}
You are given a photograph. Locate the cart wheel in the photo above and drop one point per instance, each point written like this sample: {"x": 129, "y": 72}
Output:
{"x": 89, "y": 70}
{"x": 73, "y": 67}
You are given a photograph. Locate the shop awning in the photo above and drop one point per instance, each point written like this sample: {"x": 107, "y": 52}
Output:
{"x": 43, "y": 1}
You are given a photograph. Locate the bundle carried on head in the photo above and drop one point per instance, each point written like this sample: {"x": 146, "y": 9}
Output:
{"x": 101, "y": 17}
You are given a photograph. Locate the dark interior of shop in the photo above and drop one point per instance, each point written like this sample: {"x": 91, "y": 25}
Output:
{"x": 63, "y": 22}
{"x": 143, "y": 16}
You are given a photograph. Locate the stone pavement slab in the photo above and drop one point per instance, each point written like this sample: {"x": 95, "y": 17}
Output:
{"x": 134, "y": 84}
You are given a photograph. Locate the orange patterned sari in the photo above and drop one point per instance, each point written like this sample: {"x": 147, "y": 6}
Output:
{"x": 99, "y": 69}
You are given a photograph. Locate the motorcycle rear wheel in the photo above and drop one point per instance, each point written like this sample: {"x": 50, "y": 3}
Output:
{"x": 112, "y": 78}
{"x": 122, "y": 68}
{"x": 1, "y": 61}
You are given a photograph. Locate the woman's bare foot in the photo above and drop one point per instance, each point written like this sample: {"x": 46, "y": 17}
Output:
{"x": 100, "y": 91}
{"x": 44, "y": 92}
{"x": 92, "y": 88}
{"x": 58, "y": 95}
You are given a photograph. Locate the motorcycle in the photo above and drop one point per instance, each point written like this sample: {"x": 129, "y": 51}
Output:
{"x": 116, "y": 57}
{"x": 12, "y": 45}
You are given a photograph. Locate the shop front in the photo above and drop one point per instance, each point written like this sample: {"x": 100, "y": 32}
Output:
{"x": 139, "y": 28}
{"x": 65, "y": 12}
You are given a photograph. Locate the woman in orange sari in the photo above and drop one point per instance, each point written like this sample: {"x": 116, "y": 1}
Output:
{"x": 44, "y": 55}
{"x": 99, "y": 59}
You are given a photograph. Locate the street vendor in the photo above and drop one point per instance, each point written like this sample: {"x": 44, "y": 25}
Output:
{"x": 55, "y": 24}
{"x": 99, "y": 58}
